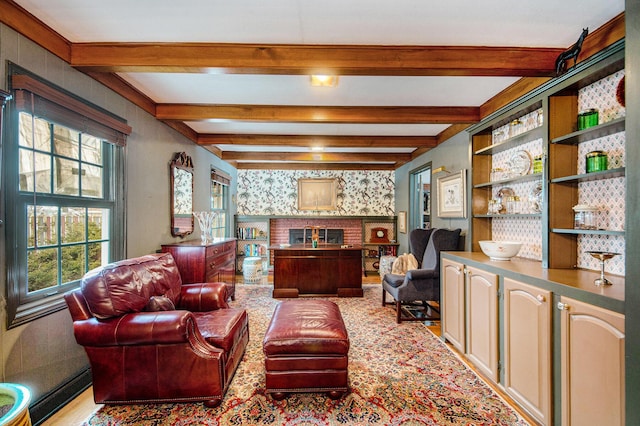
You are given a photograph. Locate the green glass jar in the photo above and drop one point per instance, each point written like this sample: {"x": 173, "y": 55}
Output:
{"x": 588, "y": 118}
{"x": 596, "y": 161}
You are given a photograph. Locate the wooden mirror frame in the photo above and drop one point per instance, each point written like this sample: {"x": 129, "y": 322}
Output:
{"x": 181, "y": 176}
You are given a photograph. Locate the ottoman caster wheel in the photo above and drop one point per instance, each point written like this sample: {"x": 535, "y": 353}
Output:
{"x": 335, "y": 394}
{"x": 278, "y": 396}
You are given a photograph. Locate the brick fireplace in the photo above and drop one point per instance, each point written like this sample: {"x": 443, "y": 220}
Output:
{"x": 279, "y": 228}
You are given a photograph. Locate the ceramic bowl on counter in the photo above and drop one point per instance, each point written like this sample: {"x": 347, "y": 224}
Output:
{"x": 500, "y": 250}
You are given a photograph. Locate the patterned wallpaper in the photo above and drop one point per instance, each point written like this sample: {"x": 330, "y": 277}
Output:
{"x": 608, "y": 195}
{"x": 275, "y": 192}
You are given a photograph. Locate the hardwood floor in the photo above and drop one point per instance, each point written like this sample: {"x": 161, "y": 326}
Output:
{"x": 75, "y": 412}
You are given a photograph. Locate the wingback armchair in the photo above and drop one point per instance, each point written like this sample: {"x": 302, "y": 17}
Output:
{"x": 151, "y": 339}
{"x": 422, "y": 284}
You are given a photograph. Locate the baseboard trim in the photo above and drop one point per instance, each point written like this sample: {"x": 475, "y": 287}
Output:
{"x": 46, "y": 406}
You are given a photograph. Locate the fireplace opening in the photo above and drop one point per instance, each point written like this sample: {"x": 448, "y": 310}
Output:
{"x": 330, "y": 236}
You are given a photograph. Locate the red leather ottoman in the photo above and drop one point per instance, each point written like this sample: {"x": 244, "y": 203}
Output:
{"x": 306, "y": 349}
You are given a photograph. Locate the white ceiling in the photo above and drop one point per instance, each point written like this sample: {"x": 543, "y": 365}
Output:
{"x": 541, "y": 23}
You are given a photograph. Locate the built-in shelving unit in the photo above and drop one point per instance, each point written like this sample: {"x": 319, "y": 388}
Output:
{"x": 373, "y": 248}
{"x": 252, "y": 233}
{"x": 493, "y": 148}
{"x": 563, "y": 179}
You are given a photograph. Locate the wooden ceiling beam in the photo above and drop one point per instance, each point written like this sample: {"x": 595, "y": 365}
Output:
{"x": 313, "y": 166}
{"x": 327, "y": 141}
{"x": 319, "y": 114}
{"x": 233, "y": 58}
{"x": 331, "y": 157}
{"x": 126, "y": 90}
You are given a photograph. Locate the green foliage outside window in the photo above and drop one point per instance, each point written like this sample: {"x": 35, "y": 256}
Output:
{"x": 42, "y": 263}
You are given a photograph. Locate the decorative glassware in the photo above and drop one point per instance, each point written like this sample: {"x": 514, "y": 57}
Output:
{"x": 602, "y": 256}
{"x": 585, "y": 217}
{"x": 205, "y": 220}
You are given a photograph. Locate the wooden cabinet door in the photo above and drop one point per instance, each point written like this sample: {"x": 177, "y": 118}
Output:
{"x": 592, "y": 364}
{"x": 452, "y": 303}
{"x": 482, "y": 321}
{"x": 527, "y": 348}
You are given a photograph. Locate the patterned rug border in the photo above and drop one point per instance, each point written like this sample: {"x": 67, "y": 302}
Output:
{"x": 398, "y": 375}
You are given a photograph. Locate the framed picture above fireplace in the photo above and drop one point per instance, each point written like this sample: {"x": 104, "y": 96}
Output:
{"x": 317, "y": 194}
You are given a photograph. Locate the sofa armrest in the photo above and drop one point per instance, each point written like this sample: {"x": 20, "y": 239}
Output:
{"x": 141, "y": 328}
{"x": 203, "y": 297}
{"x": 422, "y": 274}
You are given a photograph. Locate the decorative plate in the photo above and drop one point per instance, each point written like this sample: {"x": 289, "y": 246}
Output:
{"x": 536, "y": 198}
{"x": 521, "y": 163}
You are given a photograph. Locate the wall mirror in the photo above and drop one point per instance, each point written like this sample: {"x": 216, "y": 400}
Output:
{"x": 181, "y": 171}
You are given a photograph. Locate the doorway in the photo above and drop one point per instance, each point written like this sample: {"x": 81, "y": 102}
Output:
{"x": 420, "y": 197}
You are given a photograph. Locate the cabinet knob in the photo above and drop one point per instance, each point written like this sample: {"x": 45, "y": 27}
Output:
{"x": 563, "y": 306}
{"x": 212, "y": 265}
{"x": 540, "y": 298}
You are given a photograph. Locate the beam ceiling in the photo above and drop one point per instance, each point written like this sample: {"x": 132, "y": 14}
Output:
{"x": 106, "y": 61}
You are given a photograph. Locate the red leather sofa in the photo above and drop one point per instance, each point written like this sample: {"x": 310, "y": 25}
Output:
{"x": 151, "y": 339}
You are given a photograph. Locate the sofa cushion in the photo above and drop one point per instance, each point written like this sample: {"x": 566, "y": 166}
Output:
{"x": 222, "y": 328}
{"x": 126, "y": 286}
{"x": 159, "y": 303}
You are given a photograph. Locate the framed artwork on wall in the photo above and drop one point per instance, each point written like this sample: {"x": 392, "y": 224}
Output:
{"x": 452, "y": 195}
{"x": 317, "y": 194}
{"x": 402, "y": 222}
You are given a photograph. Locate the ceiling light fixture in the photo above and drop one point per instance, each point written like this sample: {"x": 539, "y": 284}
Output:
{"x": 320, "y": 80}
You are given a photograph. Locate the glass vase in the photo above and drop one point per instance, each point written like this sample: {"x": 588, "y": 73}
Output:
{"x": 205, "y": 221}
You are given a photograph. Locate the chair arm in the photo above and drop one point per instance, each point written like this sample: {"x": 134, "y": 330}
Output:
{"x": 422, "y": 274}
{"x": 203, "y": 297}
{"x": 140, "y": 328}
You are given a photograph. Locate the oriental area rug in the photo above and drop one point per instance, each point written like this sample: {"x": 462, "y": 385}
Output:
{"x": 399, "y": 374}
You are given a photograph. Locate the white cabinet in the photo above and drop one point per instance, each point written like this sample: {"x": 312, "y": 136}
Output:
{"x": 527, "y": 348}
{"x": 469, "y": 311}
{"x": 482, "y": 321}
{"x": 592, "y": 364}
{"x": 452, "y": 304}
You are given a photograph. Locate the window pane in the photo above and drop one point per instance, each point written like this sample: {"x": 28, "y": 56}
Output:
{"x": 66, "y": 142}
{"x": 91, "y": 149}
{"x": 67, "y": 180}
{"x": 72, "y": 226}
{"x": 73, "y": 263}
{"x": 98, "y": 253}
{"x": 91, "y": 181}
{"x": 42, "y": 269}
{"x": 217, "y": 195}
{"x": 46, "y": 226}
{"x": 42, "y": 133}
{"x": 98, "y": 224}
{"x": 43, "y": 171}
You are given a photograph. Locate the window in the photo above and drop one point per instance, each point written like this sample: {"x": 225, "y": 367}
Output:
{"x": 219, "y": 202}
{"x": 63, "y": 180}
